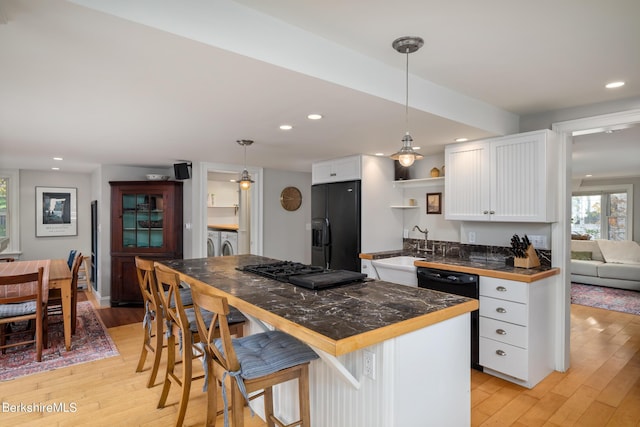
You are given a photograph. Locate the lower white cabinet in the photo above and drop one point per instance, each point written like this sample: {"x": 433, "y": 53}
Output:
{"x": 516, "y": 329}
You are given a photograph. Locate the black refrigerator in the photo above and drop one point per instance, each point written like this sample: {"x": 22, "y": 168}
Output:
{"x": 335, "y": 225}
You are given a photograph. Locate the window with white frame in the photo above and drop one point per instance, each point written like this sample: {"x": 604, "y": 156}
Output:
{"x": 9, "y": 216}
{"x": 603, "y": 212}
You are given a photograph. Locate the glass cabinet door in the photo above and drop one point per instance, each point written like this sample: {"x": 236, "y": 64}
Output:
{"x": 142, "y": 220}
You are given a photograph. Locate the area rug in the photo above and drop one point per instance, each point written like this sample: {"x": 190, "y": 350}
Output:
{"x": 607, "y": 298}
{"x": 90, "y": 342}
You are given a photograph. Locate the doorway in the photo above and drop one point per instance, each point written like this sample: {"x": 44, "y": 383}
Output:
{"x": 248, "y": 213}
{"x": 561, "y": 231}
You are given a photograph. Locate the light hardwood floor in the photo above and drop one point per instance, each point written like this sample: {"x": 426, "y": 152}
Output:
{"x": 602, "y": 388}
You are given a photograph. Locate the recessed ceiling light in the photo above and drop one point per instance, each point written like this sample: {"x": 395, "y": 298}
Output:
{"x": 416, "y": 148}
{"x": 588, "y": 175}
{"x": 614, "y": 85}
{"x": 286, "y": 127}
{"x": 57, "y": 158}
{"x": 461, "y": 139}
{"x": 379, "y": 154}
{"x": 55, "y": 169}
{"x": 314, "y": 116}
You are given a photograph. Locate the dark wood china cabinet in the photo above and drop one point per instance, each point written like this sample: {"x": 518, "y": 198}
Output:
{"x": 146, "y": 221}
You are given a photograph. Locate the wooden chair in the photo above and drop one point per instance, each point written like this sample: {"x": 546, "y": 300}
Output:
{"x": 84, "y": 273}
{"x": 71, "y": 258}
{"x": 273, "y": 357}
{"x": 181, "y": 322}
{"x": 55, "y": 295}
{"x": 26, "y": 304}
{"x": 153, "y": 338}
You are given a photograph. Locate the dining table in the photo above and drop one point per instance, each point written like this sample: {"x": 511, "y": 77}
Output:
{"x": 56, "y": 275}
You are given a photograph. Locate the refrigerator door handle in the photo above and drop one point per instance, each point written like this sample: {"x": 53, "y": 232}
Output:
{"x": 327, "y": 243}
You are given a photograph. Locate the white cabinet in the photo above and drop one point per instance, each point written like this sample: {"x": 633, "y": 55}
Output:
{"x": 344, "y": 169}
{"x": 222, "y": 194}
{"x": 516, "y": 329}
{"x": 508, "y": 179}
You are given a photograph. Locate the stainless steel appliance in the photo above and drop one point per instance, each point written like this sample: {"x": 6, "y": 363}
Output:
{"x": 463, "y": 284}
{"x": 335, "y": 225}
{"x": 307, "y": 276}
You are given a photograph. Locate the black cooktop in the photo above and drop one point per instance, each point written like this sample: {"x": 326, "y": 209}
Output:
{"x": 281, "y": 270}
{"x": 308, "y": 276}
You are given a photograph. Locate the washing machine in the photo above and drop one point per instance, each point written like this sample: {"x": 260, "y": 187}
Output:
{"x": 228, "y": 243}
{"x": 213, "y": 243}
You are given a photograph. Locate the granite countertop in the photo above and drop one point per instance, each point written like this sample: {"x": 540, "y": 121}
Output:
{"x": 482, "y": 267}
{"x": 337, "y": 320}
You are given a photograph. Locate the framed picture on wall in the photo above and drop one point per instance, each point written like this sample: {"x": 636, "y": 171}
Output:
{"x": 56, "y": 211}
{"x": 434, "y": 203}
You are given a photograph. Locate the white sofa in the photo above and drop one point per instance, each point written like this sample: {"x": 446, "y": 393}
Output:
{"x": 612, "y": 264}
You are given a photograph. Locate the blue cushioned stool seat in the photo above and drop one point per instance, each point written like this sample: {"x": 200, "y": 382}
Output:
{"x": 234, "y": 317}
{"x": 185, "y": 297}
{"x": 17, "y": 309}
{"x": 269, "y": 352}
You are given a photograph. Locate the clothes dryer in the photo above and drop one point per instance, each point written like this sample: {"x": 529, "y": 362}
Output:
{"x": 213, "y": 243}
{"x": 228, "y": 243}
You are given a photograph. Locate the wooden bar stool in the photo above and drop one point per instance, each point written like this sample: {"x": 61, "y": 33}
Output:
{"x": 249, "y": 364}
{"x": 181, "y": 322}
{"x": 153, "y": 338}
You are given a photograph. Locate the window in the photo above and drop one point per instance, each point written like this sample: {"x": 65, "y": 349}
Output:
{"x": 602, "y": 213}
{"x": 9, "y": 217}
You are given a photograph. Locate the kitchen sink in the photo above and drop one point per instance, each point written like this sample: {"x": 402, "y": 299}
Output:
{"x": 399, "y": 269}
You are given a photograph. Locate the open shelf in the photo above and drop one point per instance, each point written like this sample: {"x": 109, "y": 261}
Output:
{"x": 420, "y": 182}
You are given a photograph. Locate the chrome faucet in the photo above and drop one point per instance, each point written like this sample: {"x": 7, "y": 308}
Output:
{"x": 426, "y": 239}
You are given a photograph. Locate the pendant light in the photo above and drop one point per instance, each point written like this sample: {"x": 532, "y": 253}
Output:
{"x": 245, "y": 178}
{"x": 406, "y": 156}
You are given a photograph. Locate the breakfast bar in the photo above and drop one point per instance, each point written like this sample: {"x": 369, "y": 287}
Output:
{"x": 414, "y": 343}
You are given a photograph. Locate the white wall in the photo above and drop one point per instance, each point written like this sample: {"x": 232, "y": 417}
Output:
{"x": 33, "y": 247}
{"x": 381, "y": 226}
{"x": 287, "y": 235}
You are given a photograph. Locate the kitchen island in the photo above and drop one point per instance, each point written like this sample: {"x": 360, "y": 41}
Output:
{"x": 415, "y": 343}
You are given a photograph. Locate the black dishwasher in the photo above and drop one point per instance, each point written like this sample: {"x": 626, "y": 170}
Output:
{"x": 463, "y": 284}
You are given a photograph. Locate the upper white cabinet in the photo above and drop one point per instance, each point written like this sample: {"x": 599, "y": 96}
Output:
{"x": 344, "y": 169}
{"x": 222, "y": 194}
{"x": 508, "y": 179}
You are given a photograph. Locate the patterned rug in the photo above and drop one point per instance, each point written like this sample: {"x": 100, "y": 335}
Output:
{"x": 607, "y": 298}
{"x": 90, "y": 342}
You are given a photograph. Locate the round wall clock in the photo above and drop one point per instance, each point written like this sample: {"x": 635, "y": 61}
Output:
{"x": 290, "y": 198}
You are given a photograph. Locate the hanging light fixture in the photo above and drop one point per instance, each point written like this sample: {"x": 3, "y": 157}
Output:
{"x": 245, "y": 178}
{"x": 406, "y": 156}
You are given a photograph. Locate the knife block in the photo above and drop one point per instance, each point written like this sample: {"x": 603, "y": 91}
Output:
{"x": 531, "y": 261}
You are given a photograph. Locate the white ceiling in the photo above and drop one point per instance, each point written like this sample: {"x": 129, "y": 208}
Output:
{"x": 152, "y": 82}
